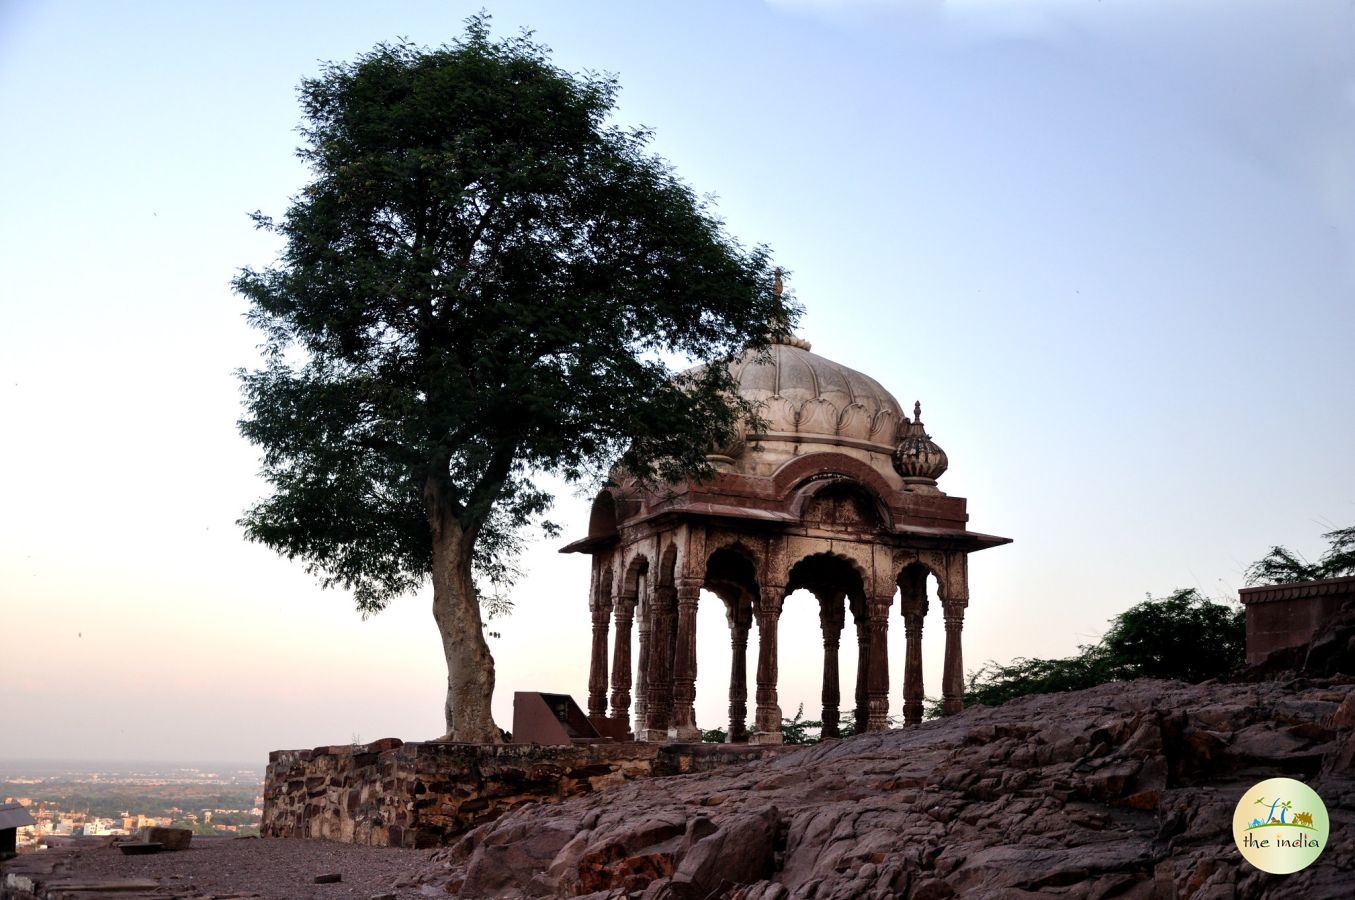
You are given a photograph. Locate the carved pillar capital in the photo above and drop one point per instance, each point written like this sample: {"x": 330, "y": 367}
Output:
{"x": 878, "y": 609}
{"x": 772, "y": 598}
{"x": 625, "y": 605}
{"x": 913, "y": 610}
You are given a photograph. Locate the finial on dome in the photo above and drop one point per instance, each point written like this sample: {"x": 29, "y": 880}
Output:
{"x": 917, "y": 457}
{"x": 781, "y": 334}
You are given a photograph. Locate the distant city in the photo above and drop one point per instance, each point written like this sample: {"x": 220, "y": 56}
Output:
{"x": 95, "y": 797}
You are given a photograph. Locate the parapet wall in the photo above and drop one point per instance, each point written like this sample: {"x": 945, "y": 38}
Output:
{"x": 1281, "y": 616}
{"x": 390, "y": 793}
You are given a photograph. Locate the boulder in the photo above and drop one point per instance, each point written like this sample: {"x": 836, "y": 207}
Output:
{"x": 167, "y": 838}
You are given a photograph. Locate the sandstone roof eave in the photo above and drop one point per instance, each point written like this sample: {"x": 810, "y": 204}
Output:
{"x": 920, "y": 535}
{"x": 590, "y": 545}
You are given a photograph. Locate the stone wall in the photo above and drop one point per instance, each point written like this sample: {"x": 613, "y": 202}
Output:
{"x": 1281, "y": 616}
{"x": 391, "y": 793}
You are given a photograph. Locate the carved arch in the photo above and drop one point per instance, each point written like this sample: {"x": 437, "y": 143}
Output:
{"x": 636, "y": 568}
{"x": 731, "y": 574}
{"x": 668, "y": 566}
{"x": 833, "y": 501}
{"x": 602, "y": 517}
{"x": 819, "y": 572}
{"x": 801, "y": 470}
{"x": 735, "y": 543}
{"x": 934, "y": 561}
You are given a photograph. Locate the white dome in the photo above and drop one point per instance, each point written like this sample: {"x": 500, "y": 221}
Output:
{"x": 802, "y": 393}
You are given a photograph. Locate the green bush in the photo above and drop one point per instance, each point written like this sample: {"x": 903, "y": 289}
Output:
{"x": 1183, "y": 636}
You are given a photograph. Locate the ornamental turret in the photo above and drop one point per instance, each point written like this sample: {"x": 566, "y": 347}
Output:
{"x": 918, "y": 459}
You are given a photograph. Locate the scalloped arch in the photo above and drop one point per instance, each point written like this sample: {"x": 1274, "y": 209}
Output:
{"x": 852, "y": 564}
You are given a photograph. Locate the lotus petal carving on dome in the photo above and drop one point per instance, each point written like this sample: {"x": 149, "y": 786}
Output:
{"x": 817, "y": 416}
{"x": 884, "y": 426}
{"x": 854, "y": 422}
{"x": 780, "y": 414}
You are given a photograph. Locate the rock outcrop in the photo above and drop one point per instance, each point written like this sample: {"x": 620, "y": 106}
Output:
{"x": 1125, "y": 790}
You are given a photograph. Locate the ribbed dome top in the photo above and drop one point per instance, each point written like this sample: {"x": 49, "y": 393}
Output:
{"x": 802, "y": 392}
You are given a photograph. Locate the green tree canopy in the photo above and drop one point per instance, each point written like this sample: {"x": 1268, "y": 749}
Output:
{"x": 1183, "y": 636}
{"x": 1282, "y": 565}
{"x": 483, "y": 280}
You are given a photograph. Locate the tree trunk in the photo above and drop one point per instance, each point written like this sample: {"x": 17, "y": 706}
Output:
{"x": 456, "y": 609}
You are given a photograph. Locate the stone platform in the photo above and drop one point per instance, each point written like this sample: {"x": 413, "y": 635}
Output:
{"x": 423, "y": 794}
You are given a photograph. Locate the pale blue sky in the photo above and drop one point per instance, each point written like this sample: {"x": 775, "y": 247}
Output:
{"x": 1109, "y": 247}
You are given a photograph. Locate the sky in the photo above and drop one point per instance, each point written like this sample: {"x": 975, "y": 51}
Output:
{"x": 1110, "y": 247}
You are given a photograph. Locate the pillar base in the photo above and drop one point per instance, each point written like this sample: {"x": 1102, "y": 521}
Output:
{"x": 652, "y": 736}
{"x": 912, "y": 712}
{"x": 951, "y": 707}
{"x": 766, "y": 737}
{"x": 685, "y": 734}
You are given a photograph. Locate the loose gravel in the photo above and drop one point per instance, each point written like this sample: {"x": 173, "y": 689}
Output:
{"x": 246, "y": 868}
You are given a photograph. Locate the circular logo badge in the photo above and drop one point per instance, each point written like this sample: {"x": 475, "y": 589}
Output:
{"x": 1280, "y": 826}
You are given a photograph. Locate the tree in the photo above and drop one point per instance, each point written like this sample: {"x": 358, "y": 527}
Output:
{"x": 1282, "y": 565}
{"x": 995, "y": 683}
{"x": 1183, "y": 636}
{"x": 482, "y": 281}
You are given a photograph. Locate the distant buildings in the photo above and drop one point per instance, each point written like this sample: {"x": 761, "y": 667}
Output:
{"x": 13, "y": 816}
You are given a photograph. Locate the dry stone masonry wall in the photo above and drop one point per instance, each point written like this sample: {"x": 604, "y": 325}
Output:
{"x": 416, "y": 795}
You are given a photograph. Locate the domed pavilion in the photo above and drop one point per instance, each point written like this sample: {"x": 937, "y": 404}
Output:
{"x": 838, "y": 496}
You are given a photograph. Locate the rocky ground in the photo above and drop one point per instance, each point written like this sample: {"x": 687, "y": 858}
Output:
{"x": 1126, "y": 790}
{"x": 218, "y": 868}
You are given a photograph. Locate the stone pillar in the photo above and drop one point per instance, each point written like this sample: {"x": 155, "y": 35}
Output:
{"x": 739, "y": 621}
{"x": 861, "y": 712}
{"x": 659, "y": 705}
{"x": 644, "y": 608}
{"x": 625, "y": 616}
{"x": 597, "y": 670}
{"x": 913, "y": 612}
{"x": 831, "y": 619}
{"x": 767, "y": 721}
{"x": 683, "y": 727}
{"x": 877, "y": 683}
{"x": 952, "y": 675}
